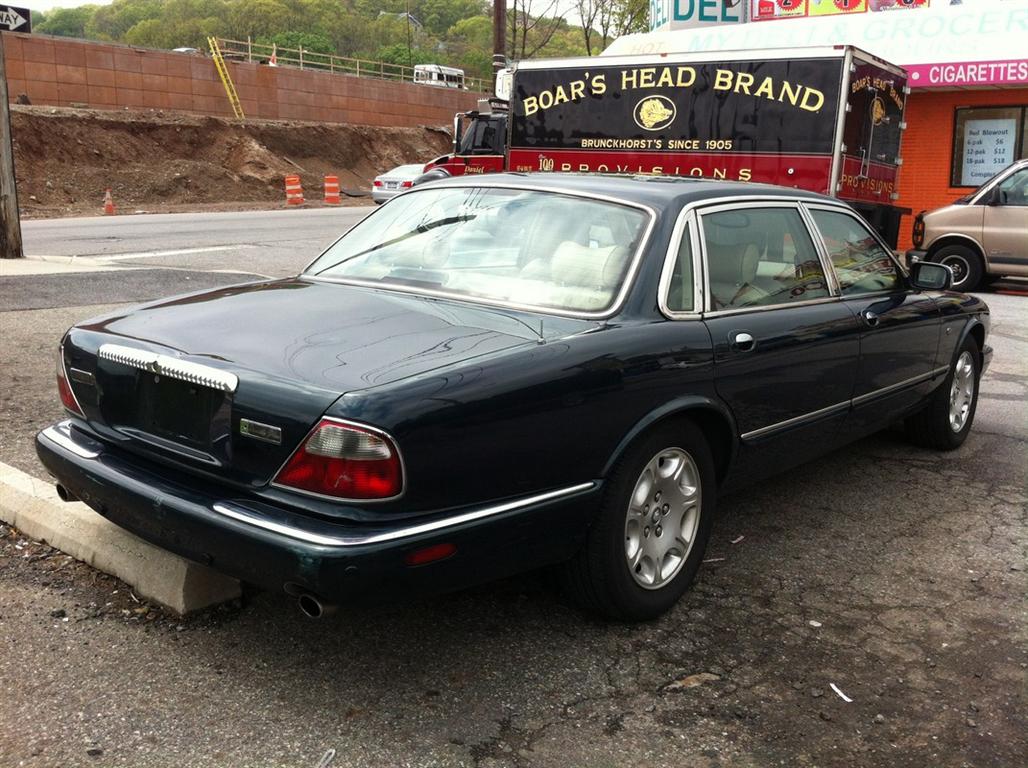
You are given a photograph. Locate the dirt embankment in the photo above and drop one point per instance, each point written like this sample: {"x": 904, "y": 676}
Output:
{"x": 66, "y": 158}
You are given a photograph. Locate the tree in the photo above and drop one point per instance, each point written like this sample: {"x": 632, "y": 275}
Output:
{"x": 528, "y": 34}
{"x": 605, "y": 20}
{"x": 66, "y": 22}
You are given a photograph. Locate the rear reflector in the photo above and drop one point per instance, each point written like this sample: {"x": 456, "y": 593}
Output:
{"x": 430, "y": 554}
{"x": 345, "y": 461}
{"x": 68, "y": 399}
{"x": 377, "y": 183}
{"x": 407, "y": 184}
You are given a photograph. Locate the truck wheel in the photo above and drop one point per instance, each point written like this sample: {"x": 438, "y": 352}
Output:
{"x": 651, "y": 531}
{"x": 945, "y": 423}
{"x": 965, "y": 263}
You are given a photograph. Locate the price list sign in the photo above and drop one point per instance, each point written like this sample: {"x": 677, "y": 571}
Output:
{"x": 988, "y": 149}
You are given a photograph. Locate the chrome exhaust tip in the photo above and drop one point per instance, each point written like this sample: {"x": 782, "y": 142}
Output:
{"x": 64, "y": 494}
{"x": 312, "y": 607}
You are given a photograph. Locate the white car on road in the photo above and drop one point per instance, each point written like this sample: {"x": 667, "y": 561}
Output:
{"x": 392, "y": 183}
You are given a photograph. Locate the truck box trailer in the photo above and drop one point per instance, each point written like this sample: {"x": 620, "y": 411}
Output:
{"x": 828, "y": 120}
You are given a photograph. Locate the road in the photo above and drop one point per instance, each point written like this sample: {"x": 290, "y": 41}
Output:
{"x": 893, "y": 573}
{"x": 273, "y": 243}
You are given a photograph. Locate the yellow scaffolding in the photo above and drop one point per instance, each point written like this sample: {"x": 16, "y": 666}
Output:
{"x": 226, "y": 78}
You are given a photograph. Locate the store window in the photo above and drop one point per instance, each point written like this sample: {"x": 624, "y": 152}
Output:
{"x": 987, "y": 140}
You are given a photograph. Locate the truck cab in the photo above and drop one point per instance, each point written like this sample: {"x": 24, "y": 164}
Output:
{"x": 479, "y": 142}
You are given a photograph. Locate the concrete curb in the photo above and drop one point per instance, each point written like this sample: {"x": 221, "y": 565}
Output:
{"x": 33, "y": 507}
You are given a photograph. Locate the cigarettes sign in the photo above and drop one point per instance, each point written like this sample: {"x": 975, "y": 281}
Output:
{"x": 1011, "y": 72}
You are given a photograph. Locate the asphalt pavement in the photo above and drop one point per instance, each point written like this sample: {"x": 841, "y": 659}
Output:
{"x": 274, "y": 243}
{"x": 886, "y": 574}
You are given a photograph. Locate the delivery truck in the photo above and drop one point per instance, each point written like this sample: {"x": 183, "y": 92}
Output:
{"x": 828, "y": 120}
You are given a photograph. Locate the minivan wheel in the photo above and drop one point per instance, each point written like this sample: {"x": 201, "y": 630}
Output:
{"x": 945, "y": 423}
{"x": 652, "y": 527}
{"x": 965, "y": 263}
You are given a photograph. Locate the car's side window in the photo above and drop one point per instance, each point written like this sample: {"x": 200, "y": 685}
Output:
{"x": 680, "y": 290}
{"x": 761, "y": 256}
{"x": 860, "y": 263}
{"x": 1013, "y": 190}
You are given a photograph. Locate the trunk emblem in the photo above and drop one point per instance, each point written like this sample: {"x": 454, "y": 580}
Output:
{"x": 265, "y": 432}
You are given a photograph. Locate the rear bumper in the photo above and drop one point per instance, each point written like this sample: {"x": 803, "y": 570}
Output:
{"x": 380, "y": 195}
{"x": 280, "y": 548}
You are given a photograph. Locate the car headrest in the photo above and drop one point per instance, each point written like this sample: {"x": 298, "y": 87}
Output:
{"x": 574, "y": 264}
{"x": 736, "y": 263}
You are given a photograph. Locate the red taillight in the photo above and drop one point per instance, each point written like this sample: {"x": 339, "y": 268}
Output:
{"x": 407, "y": 184}
{"x": 68, "y": 398}
{"x": 345, "y": 461}
{"x": 377, "y": 183}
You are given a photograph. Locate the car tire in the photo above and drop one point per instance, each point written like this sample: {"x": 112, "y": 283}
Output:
{"x": 965, "y": 263}
{"x": 945, "y": 423}
{"x": 643, "y": 552}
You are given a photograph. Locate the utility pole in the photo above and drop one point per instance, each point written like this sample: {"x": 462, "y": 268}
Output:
{"x": 499, "y": 34}
{"x": 10, "y": 224}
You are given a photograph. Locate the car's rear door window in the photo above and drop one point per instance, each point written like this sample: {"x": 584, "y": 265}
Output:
{"x": 681, "y": 288}
{"x": 861, "y": 264}
{"x": 760, "y": 256}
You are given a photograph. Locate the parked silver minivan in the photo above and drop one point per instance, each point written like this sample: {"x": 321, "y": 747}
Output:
{"x": 983, "y": 235}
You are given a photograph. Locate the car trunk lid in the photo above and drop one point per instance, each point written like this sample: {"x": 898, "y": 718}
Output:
{"x": 230, "y": 381}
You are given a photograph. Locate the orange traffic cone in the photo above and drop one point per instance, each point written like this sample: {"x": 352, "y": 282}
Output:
{"x": 332, "y": 191}
{"x": 108, "y": 204}
{"x": 294, "y": 190}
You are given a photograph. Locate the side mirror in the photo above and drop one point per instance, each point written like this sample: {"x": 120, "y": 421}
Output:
{"x": 929, "y": 276}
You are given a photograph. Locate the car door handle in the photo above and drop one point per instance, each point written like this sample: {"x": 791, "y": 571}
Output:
{"x": 870, "y": 318}
{"x": 742, "y": 341}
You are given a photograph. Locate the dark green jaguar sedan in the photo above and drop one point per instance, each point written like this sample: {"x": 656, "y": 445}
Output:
{"x": 489, "y": 375}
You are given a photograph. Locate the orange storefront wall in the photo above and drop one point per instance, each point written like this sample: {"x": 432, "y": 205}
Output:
{"x": 928, "y": 147}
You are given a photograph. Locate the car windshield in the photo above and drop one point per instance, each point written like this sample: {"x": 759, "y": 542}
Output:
{"x": 507, "y": 246}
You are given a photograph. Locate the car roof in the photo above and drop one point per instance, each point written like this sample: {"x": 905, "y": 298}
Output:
{"x": 655, "y": 191}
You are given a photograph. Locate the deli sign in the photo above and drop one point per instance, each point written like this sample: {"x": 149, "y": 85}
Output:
{"x": 15, "y": 19}
{"x": 683, "y": 14}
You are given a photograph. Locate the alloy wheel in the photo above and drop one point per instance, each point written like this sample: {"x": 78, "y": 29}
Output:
{"x": 662, "y": 518}
{"x": 961, "y": 392}
{"x": 960, "y": 268}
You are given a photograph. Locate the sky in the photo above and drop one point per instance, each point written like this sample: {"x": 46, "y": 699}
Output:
{"x": 46, "y": 5}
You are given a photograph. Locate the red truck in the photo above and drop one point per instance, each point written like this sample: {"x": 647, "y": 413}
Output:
{"x": 825, "y": 119}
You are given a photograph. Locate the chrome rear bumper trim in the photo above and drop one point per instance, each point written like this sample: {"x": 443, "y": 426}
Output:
{"x": 173, "y": 367}
{"x": 60, "y": 434}
{"x": 243, "y": 515}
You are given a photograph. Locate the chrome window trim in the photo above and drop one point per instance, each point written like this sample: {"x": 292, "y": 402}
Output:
{"x": 780, "y": 202}
{"x": 844, "y": 405}
{"x": 686, "y": 219}
{"x": 847, "y": 211}
{"x": 326, "y": 497}
{"x": 613, "y": 309}
{"x": 243, "y": 515}
{"x": 822, "y": 250}
{"x": 769, "y": 307}
{"x": 172, "y": 367}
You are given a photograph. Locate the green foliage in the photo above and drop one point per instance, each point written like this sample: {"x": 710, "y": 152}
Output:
{"x": 66, "y": 22}
{"x": 449, "y": 32}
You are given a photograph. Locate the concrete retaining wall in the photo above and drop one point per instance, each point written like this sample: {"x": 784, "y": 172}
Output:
{"x": 63, "y": 72}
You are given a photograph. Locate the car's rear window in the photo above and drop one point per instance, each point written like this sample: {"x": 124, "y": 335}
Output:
{"x": 524, "y": 247}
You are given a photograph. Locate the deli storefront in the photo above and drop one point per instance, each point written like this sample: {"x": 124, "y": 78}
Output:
{"x": 967, "y": 112}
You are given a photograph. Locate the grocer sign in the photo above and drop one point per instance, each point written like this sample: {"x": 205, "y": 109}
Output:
{"x": 683, "y": 14}
{"x": 15, "y": 19}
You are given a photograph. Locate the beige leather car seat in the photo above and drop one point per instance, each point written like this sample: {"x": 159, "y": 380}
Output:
{"x": 733, "y": 269}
